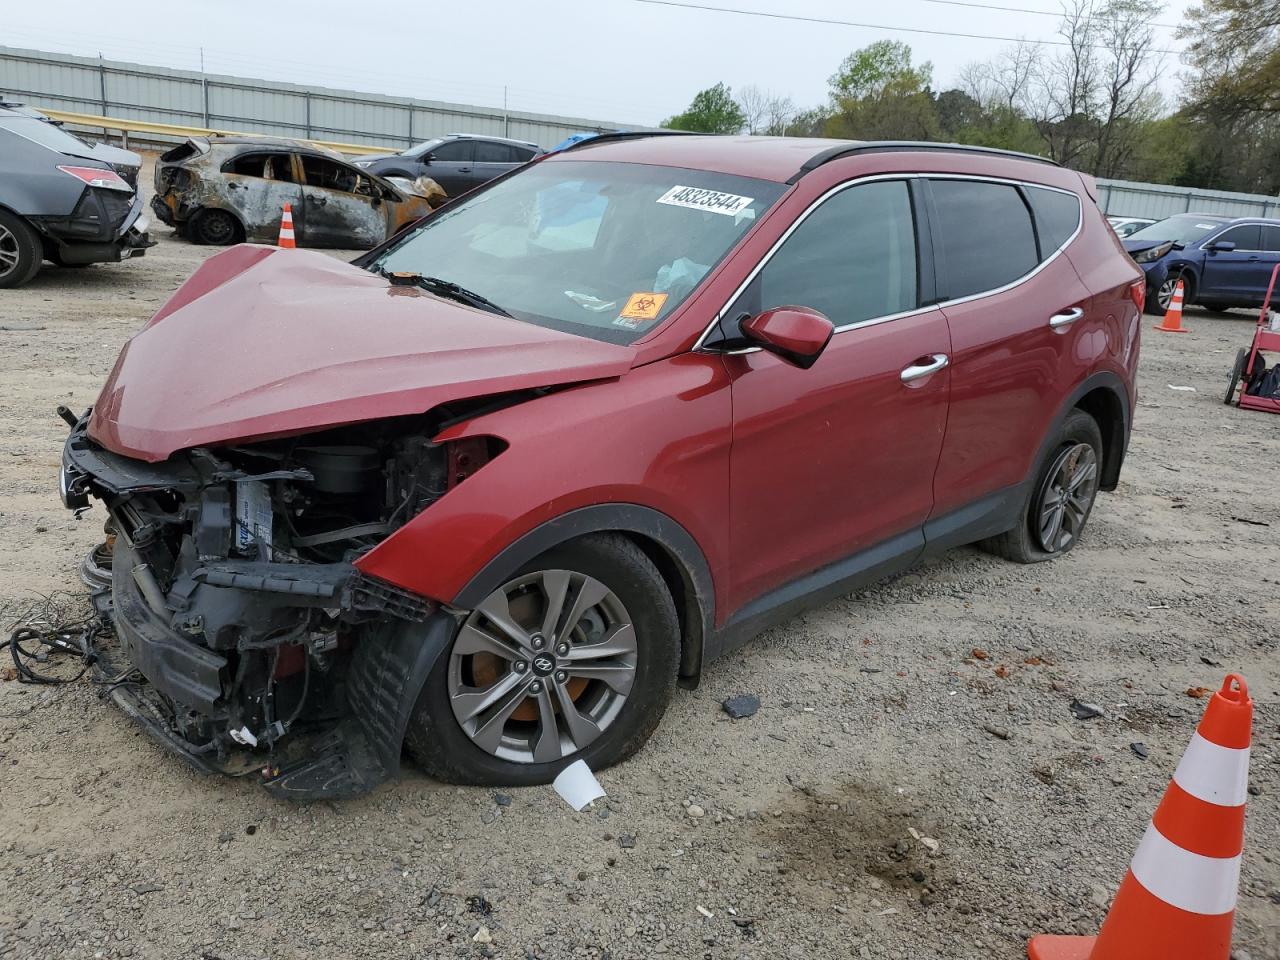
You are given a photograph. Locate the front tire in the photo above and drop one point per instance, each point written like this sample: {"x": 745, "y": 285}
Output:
{"x": 1062, "y": 497}
{"x": 1159, "y": 298}
{"x": 20, "y": 251}
{"x": 574, "y": 657}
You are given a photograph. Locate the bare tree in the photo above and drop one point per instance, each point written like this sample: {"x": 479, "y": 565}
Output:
{"x": 1004, "y": 81}
{"x": 1128, "y": 93}
{"x": 754, "y": 104}
{"x": 1062, "y": 91}
{"x": 778, "y": 115}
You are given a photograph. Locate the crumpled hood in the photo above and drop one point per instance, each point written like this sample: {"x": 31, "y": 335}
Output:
{"x": 262, "y": 342}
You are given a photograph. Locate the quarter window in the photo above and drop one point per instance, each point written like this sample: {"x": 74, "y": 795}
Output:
{"x": 1247, "y": 236}
{"x": 984, "y": 235}
{"x": 853, "y": 259}
{"x": 1057, "y": 216}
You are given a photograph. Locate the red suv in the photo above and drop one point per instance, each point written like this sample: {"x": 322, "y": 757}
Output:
{"x": 494, "y": 489}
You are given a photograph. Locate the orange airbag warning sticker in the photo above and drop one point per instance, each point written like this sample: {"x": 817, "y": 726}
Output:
{"x": 644, "y": 306}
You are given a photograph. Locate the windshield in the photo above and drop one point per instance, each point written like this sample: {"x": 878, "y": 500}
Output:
{"x": 419, "y": 149}
{"x": 45, "y": 134}
{"x": 1184, "y": 229}
{"x": 604, "y": 250}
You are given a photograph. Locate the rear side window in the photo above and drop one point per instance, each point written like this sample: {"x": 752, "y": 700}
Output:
{"x": 268, "y": 166}
{"x": 854, "y": 258}
{"x": 1057, "y": 216}
{"x": 984, "y": 235}
{"x": 1246, "y": 237}
{"x": 494, "y": 153}
{"x": 1271, "y": 239}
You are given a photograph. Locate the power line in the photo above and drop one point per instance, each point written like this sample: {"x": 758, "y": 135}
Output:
{"x": 1040, "y": 13}
{"x": 829, "y": 21}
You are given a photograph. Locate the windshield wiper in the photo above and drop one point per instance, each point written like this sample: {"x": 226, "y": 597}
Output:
{"x": 444, "y": 288}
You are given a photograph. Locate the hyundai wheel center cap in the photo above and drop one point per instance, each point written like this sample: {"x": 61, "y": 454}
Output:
{"x": 544, "y": 664}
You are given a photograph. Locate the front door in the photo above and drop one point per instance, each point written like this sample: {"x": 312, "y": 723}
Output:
{"x": 831, "y": 461}
{"x": 1240, "y": 275}
{"x": 341, "y": 207}
{"x": 452, "y": 165}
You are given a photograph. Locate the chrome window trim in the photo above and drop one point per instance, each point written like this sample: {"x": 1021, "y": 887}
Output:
{"x": 1204, "y": 245}
{"x": 874, "y": 321}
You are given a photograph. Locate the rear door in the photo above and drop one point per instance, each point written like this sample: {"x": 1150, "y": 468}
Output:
{"x": 493, "y": 160}
{"x": 831, "y": 461}
{"x": 258, "y": 186}
{"x": 1236, "y": 276}
{"x": 1023, "y": 329}
{"x": 452, "y": 166}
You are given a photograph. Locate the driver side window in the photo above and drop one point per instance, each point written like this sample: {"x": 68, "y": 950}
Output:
{"x": 455, "y": 151}
{"x": 853, "y": 258}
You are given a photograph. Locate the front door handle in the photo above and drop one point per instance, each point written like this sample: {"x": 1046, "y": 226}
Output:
{"x": 1062, "y": 319}
{"x": 931, "y": 364}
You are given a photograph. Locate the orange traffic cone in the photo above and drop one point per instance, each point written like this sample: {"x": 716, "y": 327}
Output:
{"x": 286, "y": 228}
{"x": 1179, "y": 897}
{"x": 1172, "y": 322}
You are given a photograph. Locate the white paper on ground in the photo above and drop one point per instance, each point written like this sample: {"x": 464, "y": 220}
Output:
{"x": 578, "y": 785}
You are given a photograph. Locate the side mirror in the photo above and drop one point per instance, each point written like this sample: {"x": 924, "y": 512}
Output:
{"x": 1222, "y": 246}
{"x": 796, "y": 334}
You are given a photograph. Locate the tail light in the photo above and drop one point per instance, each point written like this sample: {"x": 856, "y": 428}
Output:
{"x": 1138, "y": 291}
{"x": 106, "y": 179}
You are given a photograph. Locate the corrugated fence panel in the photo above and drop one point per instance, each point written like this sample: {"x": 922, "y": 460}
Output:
{"x": 1125, "y": 198}
{"x": 187, "y": 98}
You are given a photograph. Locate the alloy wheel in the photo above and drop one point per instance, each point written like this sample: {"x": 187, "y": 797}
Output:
{"x": 542, "y": 667}
{"x": 1165, "y": 293}
{"x": 1066, "y": 497}
{"x": 9, "y": 252}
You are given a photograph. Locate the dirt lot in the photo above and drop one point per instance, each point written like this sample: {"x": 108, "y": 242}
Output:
{"x": 791, "y": 829}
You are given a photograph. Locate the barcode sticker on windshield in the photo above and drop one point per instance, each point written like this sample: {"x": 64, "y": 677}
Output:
{"x": 730, "y": 204}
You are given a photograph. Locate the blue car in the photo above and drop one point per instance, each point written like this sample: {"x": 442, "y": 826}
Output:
{"x": 1223, "y": 262}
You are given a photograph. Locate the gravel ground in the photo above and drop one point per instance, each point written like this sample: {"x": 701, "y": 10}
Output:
{"x": 935, "y": 706}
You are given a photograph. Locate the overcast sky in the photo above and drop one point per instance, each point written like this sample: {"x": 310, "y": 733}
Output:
{"x": 615, "y": 60}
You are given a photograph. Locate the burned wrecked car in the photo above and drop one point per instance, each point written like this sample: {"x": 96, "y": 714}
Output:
{"x": 230, "y": 189}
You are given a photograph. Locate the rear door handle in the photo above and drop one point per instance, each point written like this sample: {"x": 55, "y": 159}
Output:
{"x": 932, "y": 364}
{"x": 1069, "y": 316}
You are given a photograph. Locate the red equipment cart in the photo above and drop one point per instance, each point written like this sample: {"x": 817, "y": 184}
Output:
{"x": 1249, "y": 360}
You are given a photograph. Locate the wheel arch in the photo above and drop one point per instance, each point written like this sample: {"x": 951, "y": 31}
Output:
{"x": 672, "y": 549}
{"x": 1103, "y": 397}
{"x": 192, "y": 221}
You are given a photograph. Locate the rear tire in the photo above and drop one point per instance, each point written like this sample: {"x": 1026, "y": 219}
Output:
{"x": 524, "y": 733}
{"x": 1053, "y": 518}
{"x": 214, "y": 228}
{"x": 20, "y": 251}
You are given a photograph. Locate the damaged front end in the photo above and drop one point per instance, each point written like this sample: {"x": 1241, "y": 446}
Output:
{"x": 248, "y": 641}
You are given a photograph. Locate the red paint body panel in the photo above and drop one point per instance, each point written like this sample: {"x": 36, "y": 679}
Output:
{"x": 659, "y": 437}
{"x": 293, "y": 340}
{"x": 834, "y": 459}
{"x": 1010, "y": 374}
{"x": 773, "y": 470}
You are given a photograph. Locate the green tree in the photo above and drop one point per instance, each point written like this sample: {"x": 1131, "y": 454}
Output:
{"x": 712, "y": 111}
{"x": 868, "y": 72}
{"x": 877, "y": 94}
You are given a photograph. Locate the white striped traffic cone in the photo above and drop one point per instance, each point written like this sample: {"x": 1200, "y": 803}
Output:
{"x": 1172, "y": 322}
{"x": 286, "y": 228}
{"x": 1179, "y": 897}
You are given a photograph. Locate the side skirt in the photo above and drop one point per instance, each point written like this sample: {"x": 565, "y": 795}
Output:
{"x": 991, "y": 515}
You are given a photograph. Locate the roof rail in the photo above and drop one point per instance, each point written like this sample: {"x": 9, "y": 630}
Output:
{"x": 896, "y": 146}
{"x": 628, "y": 135}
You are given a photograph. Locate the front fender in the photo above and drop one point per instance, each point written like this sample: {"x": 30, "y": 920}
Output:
{"x": 655, "y": 439}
